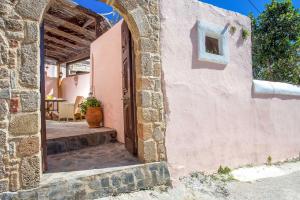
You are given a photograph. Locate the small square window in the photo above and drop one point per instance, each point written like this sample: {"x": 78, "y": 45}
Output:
{"x": 212, "y": 45}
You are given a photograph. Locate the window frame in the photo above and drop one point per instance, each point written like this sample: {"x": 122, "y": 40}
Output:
{"x": 206, "y": 29}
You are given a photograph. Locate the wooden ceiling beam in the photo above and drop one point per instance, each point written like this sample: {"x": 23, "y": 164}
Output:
{"x": 71, "y": 26}
{"x": 87, "y": 23}
{"x": 83, "y": 55}
{"x": 67, "y": 35}
{"x": 58, "y": 48}
{"x": 72, "y": 7}
{"x": 57, "y": 53}
{"x": 63, "y": 42}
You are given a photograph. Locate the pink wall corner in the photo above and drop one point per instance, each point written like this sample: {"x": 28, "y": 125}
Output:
{"x": 51, "y": 86}
{"x": 107, "y": 77}
{"x": 212, "y": 118}
{"x": 70, "y": 88}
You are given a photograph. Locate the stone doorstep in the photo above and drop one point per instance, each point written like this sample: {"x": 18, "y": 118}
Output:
{"x": 93, "y": 184}
{"x": 76, "y": 142}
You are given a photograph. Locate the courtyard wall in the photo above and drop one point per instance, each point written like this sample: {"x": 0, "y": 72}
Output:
{"x": 213, "y": 116}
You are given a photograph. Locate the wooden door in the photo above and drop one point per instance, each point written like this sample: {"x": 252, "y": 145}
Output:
{"x": 42, "y": 104}
{"x": 129, "y": 106}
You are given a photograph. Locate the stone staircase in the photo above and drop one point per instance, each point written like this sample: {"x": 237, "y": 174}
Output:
{"x": 73, "y": 142}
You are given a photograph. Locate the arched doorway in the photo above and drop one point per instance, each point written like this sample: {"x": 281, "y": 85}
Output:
{"x": 23, "y": 129}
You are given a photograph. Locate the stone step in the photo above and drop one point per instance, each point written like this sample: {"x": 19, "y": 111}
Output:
{"x": 93, "y": 184}
{"x": 79, "y": 141}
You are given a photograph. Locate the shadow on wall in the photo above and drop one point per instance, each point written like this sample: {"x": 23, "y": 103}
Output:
{"x": 196, "y": 63}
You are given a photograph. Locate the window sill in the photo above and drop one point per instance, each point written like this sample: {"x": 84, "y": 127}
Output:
{"x": 275, "y": 88}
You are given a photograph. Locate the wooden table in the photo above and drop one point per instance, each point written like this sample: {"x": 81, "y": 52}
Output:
{"x": 50, "y": 105}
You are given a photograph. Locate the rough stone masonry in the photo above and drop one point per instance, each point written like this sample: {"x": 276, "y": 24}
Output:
{"x": 20, "y": 146}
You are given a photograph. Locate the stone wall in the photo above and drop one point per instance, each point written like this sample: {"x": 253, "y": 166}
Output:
{"x": 135, "y": 178}
{"x": 20, "y": 155}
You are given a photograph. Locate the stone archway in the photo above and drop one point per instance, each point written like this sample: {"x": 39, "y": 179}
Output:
{"x": 20, "y": 156}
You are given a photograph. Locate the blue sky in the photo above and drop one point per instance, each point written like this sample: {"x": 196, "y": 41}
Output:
{"x": 241, "y": 6}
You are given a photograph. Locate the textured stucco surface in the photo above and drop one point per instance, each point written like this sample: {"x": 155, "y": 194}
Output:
{"x": 70, "y": 89}
{"x": 212, "y": 117}
{"x": 106, "y": 53}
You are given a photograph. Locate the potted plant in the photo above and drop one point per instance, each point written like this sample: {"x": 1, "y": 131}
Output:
{"x": 91, "y": 107}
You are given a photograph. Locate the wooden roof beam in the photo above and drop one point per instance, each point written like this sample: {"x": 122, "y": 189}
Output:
{"x": 83, "y": 55}
{"x": 57, "y": 53}
{"x": 61, "y": 49}
{"x": 62, "y": 42}
{"x": 67, "y": 35}
{"x": 71, "y": 26}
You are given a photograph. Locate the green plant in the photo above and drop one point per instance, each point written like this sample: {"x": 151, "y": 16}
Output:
{"x": 224, "y": 170}
{"x": 232, "y": 30}
{"x": 89, "y": 102}
{"x": 245, "y": 34}
{"x": 269, "y": 160}
{"x": 276, "y": 43}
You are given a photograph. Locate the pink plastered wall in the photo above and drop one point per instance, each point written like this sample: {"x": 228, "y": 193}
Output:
{"x": 212, "y": 116}
{"x": 107, "y": 77}
{"x": 70, "y": 88}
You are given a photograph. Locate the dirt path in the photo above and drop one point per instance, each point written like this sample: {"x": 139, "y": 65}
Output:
{"x": 199, "y": 187}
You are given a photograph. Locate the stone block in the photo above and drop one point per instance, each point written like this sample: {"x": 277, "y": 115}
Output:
{"x": 28, "y": 146}
{"x": 3, "y": 186}
{"x": 150, "y": 151}
{"x": 157, "y": 100}
{"x": 14, "y": 24}
{"x": 144, "y": 99}
{"x": 154, "y": 22}
{"x": 127, "y": 178}
{"x": 3, "y": 136}
{"x": 2, "y": 24}
{"x": 3, "y": 53}
{"x": 105, "y": 182}
{"x": 141, "y": 21}
{"x": 116, "y": 181}
{"x": 145, "y": 84}
{"x": 31, "y": 31}
{"x": 14, "y": 182}
{"x": 4, "y": 124}
{"x": 145, "y": 130}
{"x": 4, "y": 84}
{"x": 148, "y": 45}
{"x": 3, "y": 109}
{"x": 30, "y": 172}
{"x": 4, "y": 73}
{"x": 5, "y": 93}
{"x": 157, "y": 69}
{"x": 15, "y": 35}
{"x": 31, "y": 9}
{"x": 30, "y": 101}
{"x": 29, "y": 69}
{"x": 146, "y": 64}
{"x": 138, "y": 174}
{"x": 14, "y": 105}
{"x": 12, "y": 149}
{"x": 24, "y": 124}
{"x": 13, "y": 43}
{"x": 158, "y": 135}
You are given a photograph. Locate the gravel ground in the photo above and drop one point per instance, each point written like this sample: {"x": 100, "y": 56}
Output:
{"x": 198, "y": 186}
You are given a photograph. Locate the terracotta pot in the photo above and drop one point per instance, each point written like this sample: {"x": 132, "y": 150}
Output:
{"x": 94, "y": 116}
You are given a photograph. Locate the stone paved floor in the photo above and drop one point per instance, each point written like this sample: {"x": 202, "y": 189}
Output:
{"x": 57, "y": 129}
{"x": 103, "y": 156}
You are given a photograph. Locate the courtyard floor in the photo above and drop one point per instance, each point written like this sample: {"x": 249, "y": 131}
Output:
{"x": 72, "y": 146}
{"x": 98, "y": 157}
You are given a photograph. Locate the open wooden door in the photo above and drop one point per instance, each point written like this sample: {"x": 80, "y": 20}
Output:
{"x": 42, "y": 91}
{"x": 129, "y": 106}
